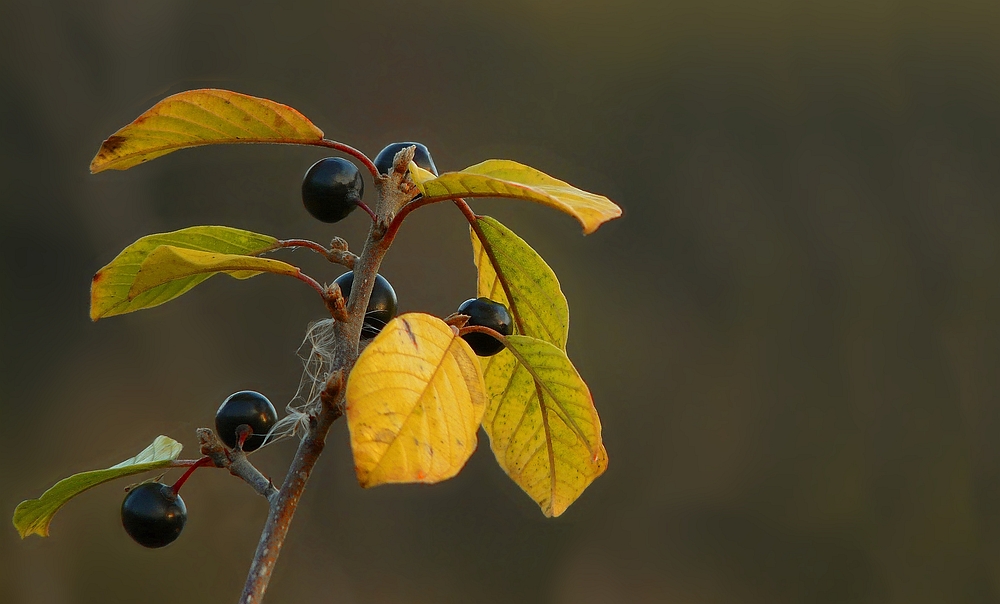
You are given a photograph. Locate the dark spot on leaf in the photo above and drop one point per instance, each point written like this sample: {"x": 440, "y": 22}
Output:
{"x": 113, "y": 143}
{"x": 409, "y": 332}
{"x": 97, "y": 277}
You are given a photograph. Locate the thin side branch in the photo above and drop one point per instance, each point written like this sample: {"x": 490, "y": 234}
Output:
{"x": 466, "y": 210}
{"x": 355, "y": 153}
{"x": 311, "y": 283}
{"x": 235, "y": 460}
{"x": 371, "y": 214}
{"x": 337, "y": 256}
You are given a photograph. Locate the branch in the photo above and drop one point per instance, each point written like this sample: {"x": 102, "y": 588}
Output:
{"x": 420, "y": 202}
{"x": 235, "y": 460}
{"x": 285, "y": 502}
{"x": 394, "y": 191}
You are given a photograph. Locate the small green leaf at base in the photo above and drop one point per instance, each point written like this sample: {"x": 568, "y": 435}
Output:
{"x": 32, "y": 517}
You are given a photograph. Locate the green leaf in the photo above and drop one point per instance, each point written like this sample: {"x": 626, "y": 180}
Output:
{"x": 536, "y": 302}
{"x": 506, "y": 178}
{"x": 169, "y": 263}
{"x": 541, "y": 420}
{"x": 203, "y": 117}
{"x": 543, "y": 427}
{"x": 32, "y": 517}
{"x": 111, "y": 286}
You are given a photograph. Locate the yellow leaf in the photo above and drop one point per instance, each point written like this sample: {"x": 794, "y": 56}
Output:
{"x": 542, "y": 424}
{"x": 415, "y": 399}
{"x": 418, "y": 174}
{"x": 32, "y": 517}
{"x": 109, "y": 290}
{"x": 168, "y": 263}
{"x": 537, "y": 303}
{"x": 506, "y": 178}
{"x": 202, "y": 117}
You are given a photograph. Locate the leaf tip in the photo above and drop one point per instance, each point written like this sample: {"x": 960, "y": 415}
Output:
{"x": 109, "y": 147}
{"x": 419, "y": 176}
{"x": 590, "y": 226}
{"x": 24, "y": 526}
{"x": 364, "y": 478}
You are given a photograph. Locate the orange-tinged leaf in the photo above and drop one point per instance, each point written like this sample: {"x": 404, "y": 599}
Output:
{"x": 109, "y": 290}
{"x": 506, "y": 178}
{"x": 169, "y": 263}
{"x": 415, "y": 399}
{"x": 542, "y": 424}
{"x": 32, "y": 517}
{"x": 203, "y": 117}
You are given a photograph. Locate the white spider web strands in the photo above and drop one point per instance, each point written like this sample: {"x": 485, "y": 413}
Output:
{"x": 317, "y": 354}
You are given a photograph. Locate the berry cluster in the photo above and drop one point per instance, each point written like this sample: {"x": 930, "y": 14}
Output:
{"x": 153, "y": 513}
{"x": 332, "y": 188}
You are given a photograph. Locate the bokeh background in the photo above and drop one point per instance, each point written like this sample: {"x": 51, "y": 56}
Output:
{"x": 791, "y": 335}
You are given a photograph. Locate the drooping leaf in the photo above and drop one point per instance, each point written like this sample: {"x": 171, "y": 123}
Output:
{"x": 202, "y": 117}
{"x": 537, "y": 304}
{"x": 415, "y": 399}
{"x": 32, "y": 517}
{"x": 506, "y": 178}
{"x": 542, "y": 424}
{"x": 169, "y": 263}
{"x": 526, "y": 415}
{"x": 109, "y": 291}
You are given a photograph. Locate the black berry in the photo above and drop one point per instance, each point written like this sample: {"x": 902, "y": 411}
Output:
{"x": 153, "y": 515}
{"x": 381, "y": 306}
{"x": 245, "y": 407}
{"x": 421, "y": 157}
{"x": 332, "y": 189}
{"x": 486, "y": 313}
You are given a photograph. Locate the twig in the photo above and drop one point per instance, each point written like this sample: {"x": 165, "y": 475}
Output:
{"x": 358, "y": 155}
{"x": 311, "y": 283}
{"x": 204, "y": 461}
{"x": 466, "y": 210}
{"x": 235, "y": 460}
{"x": 335, "y": 255}
{"x": 364, "y": 206}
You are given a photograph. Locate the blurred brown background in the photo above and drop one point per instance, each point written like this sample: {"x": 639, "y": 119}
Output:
{"x": 791, "y": 336}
